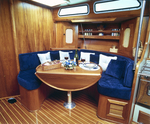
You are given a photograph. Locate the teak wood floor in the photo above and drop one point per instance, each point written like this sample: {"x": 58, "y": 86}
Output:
{"x": 52, "y": 111}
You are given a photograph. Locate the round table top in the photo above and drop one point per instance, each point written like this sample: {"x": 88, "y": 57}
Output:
{"x": 68, "y": 80}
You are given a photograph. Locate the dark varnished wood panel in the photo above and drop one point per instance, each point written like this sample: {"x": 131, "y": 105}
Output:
{"x": 8, "y": 73}
{"x": 34, "y": 27}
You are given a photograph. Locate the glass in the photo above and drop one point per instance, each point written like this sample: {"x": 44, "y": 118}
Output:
{"x": 126, "y": 37}
{"x": 69, "y": 36}
{"x": 82, "y": 9}
{"x": 82, "y": 60}
{"x": 66, "y": 58}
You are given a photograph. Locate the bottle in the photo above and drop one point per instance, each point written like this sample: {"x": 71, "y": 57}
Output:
{"x": 76, "y": 57}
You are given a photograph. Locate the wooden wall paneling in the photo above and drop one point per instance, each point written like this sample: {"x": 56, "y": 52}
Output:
{"x": 100, "y": 45}
{"x": 34, "y": 27}
{"x": 3, "y": 90}
{"x": 7, "y": 53}
{"x": 59, "y": 35}
{"x": 23, "y": 28}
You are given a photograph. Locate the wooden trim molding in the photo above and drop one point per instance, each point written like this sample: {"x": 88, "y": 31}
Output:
{"x": 93, "y": 20}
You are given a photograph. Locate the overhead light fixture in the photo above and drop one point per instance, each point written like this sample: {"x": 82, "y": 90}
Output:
{"x": 51, "y": 2}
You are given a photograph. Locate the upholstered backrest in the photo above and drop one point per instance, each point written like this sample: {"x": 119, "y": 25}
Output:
{"x": 128, "y": 74}
{"x": 31, "y": 61}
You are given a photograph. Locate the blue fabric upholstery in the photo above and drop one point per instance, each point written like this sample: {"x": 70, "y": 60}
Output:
{"x": 116, "y": 85}
{"x": 94, "y": 58}
{"x": 108, "y": 84}
{"x": 29, "y": 60}
{"x": 116, "y": 68}
{"x": 113, "y": 87}
{"x": 128, "y": 74}
{"x": 28, "y": 79}
{"x": 54, "y": 55}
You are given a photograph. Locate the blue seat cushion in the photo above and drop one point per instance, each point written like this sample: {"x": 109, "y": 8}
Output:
{"x": 28, "y": 79}
{"x": 113, "y": 87}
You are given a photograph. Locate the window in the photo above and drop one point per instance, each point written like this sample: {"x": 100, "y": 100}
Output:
{"x": 126, "y": 37}
{"x": 74, "y": 10}
{"x": 69, "y": 36}
{"x": 106, "y": 6}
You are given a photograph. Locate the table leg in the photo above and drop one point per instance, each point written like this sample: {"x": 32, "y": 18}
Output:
{"x": 69, "y": 104}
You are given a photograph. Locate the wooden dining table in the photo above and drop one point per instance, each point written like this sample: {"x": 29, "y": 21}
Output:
{"x": 68, "y": 80}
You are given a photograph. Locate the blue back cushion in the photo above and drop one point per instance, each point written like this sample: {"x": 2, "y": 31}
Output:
{"x": 116, "y": 68}
{"x": 29, "y": 60}
{"x": 54, "y": 55}
{"x": 94, "y": 58}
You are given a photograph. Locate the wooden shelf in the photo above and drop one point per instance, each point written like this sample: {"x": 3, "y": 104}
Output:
{"x": 99, "y": 37}
{"x": 105, "y": 31}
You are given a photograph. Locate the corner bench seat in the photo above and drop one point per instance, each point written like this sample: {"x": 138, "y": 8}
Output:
{"x": 108, "y": 85}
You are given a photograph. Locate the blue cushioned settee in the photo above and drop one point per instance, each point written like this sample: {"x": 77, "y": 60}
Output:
{"x": 116, "y": 80}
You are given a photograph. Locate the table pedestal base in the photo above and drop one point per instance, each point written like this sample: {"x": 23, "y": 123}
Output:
{"x": 69, "y": 104}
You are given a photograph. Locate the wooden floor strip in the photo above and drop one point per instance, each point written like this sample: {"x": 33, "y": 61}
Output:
{"x": 2, "y": 118}
{"x": 52, "y": 111}
{"x": 73, "y": 114}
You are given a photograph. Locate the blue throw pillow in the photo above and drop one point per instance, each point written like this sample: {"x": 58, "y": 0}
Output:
{"x": 116, "y": 68}
{"x": 94, "y": 58}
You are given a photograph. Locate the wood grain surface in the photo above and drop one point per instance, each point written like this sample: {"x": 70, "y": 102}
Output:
{"x": 52, "y": 111}
{"x": 24, "y": 28}
{"x": 68, "y": 80}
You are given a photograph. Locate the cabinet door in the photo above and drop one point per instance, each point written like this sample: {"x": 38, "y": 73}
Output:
{"x": 127, "y": 37}
{"x": 70, "y": 36}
